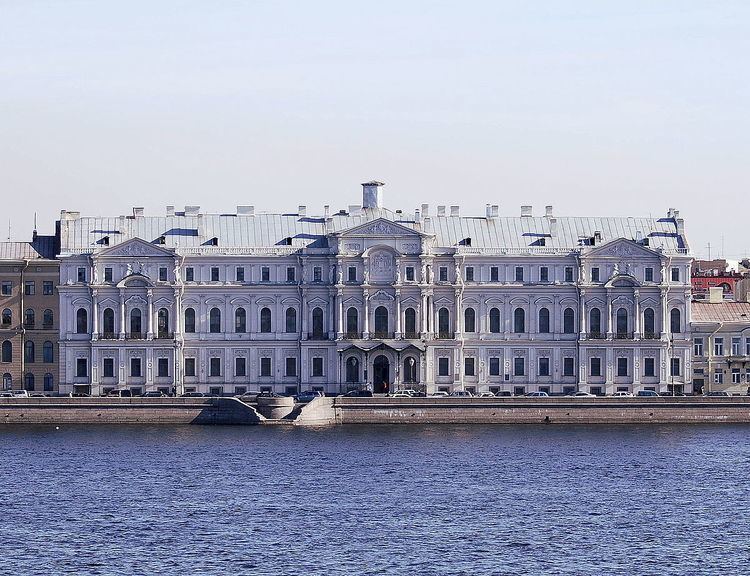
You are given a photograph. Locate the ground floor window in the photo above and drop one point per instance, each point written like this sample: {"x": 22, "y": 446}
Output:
{"x": 443, "y": 366}
{"x": 735, "y": 375}
{"x": 49, "y": 382}
{"x": 675, "y": 369}
{"x": 494, "y": 366}
{"x": 568, "y": 366}
{"x": 543, "y": 366}
{"x": 28, "y": 382}
{"x": 163, "y": 367}
{"x": 240, "y": 390}
{"x": 240, "y": 368}
{"x": 597, "y": 390}
{"x": 519, "y": 366}
{"x": 622, "y": 366}
{"x": 595, "y": 366}
{"x": 649, "y": 367}
{"x": 291, "y": 366}
{"x": 265, "y": 366}
{"x": 469, "y": 367}
{"x": 718, "y": 377}
{"x": 82, "y": 368}
{"x": 214, "y": 367}
{"x": 189, "y": 366}
{"x": 108, "y": 368}
{"x": 317, "y": 366}
{"x": 135, "y": 367}
{"x": 215, "y": 391}
{"x": 519, "y": 390}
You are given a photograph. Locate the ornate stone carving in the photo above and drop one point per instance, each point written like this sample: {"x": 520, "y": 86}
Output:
{"x": 382, "y": 267}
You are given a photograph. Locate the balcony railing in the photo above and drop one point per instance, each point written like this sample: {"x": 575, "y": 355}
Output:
{"x": 651, "y": 336}
{"x": 623, "y": 335}
{"x": 109, "y": 336}
{"x": 383, "y": 335}
{"x": 165, "y": 335}
{"x": 29, "y": 325}
{"x": 445, "y": 335}
{"x": 411, "y": 335}
{"x": 353, "y": 335}
{"x": 136, "y": 336}
{"x": 317, "y": 336}
{"x": 596, "y": 336}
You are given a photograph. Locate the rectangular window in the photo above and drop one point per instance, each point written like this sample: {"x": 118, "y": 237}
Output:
{"x": 351, "y": 274}
{"x": 443, "y": 274}
{"x": 48, "y": 288}
{"x": 595, "y": 274}
{"x": 718, "y": 346}
{"x": 108, "y": 274}
{"x": 317, "y": 366}
{"x": 239, "y": 274}
{"x": 622, "y": 366}
{"x": 470, "y": 274}
{"x": 163, "y": 367}
{"x": 697, "y": 346}
{"x": 469, "y": 367}
{"x": 735, "y": 374}
{"x": 519, "y": 366}
{"x": 135, "y": 367}
{"x": 719, "y": 377}
{"x": 544, "y": 274}
{"x": 214, "y": 367}
{"x": 265, "y": 366}
{"x": 7, "y": 288}
{"x": 108, "y": 368}
{"x": 675, "y": 367}
{"x": 240, "y": 367}
{"x": 265, "y": 274}
{"x": 747, "y": 346}
{"x": 494, "y": 274}
{"x": 82, "y": 368}
{"x": 648, "y": 274}
{"x": 675, "y": 274}
{"x": 162, "y": 274}
{"x": 649, "y": 367}
{"x": 519, "y": 273}
{"x": 443, "y": 366}
{"x": 543, "y": 366}
{"x": 595, "y": 366}
{"x": 189, "y": 366}
{"x": 189, "y": 274}
{"x": 317, "y": 274}
{"x": 568, "y": 366}
{"x": 29, "y": 289}
{"x": 291, "y": 366}
{"x": 82, "y": 274}
{"x": 736, "y": 346}
{"x": 568, "y": 273}
{"x": 494, "y": 366}
{"x": 291, "y": 274}
{"x": 214, "y": 273}
{"x": 410, "y": 273}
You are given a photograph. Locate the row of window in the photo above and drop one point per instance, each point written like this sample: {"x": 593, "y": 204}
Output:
{"x": 29, "y": 352}
{"x": 29, "y": 318}
{"x": 29, "y": 288}
{"x": 736, "y": 349}
{"x": 29, "y": 382}
{"x": 736, "y": 374}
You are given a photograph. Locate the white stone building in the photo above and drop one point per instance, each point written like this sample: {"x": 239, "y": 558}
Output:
{"x": 372, "y": 297}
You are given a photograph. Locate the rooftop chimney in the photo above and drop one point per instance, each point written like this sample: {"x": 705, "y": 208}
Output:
{"x": 553, "y": 226}
{"x": 488, "y": 210}
{"x": 526, "y": 211}
{"x": 245, "y": 210}
{"x": 715, "y": 295}
{"x": 302, "y": 211}
{"x": 326, "y": 211}
{"x": 425, "y": 210}
{"x": 372, "y": 195}
{"x": 417, "y": 216}
{"x": 455, "y": 210}
{"x": 138, "y": 211}
{"x": 495, "y": 210}
{"x": 192, "y": 210}
{"x": 441, "y": 210}
{"x": 548, "y": 211}
{"x": 170, "y": 210}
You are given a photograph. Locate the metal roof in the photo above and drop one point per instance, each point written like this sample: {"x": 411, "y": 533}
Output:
{"x": 83, "y": 234}
{"x": 41, "y": 248}
{"x": 721, "y": 312}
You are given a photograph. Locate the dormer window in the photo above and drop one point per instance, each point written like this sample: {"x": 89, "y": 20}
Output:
{"x": 214, "y": 241}
{"x": 161, "y": 240}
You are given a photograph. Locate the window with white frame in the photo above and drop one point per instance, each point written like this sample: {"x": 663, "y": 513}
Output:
{"x": 718, "y": 346}
{"x": 519, "y": 274}
{"x": 494, "y": 274}
{"x": 543, "y": 274}
{"x": 675, "y": 274}
{"x": 568, "y": 366}
{"x": 697, "y": 346}
{"x": 719, "y": 377}
{"x": 469, "y": 273}
{"x": 736, "y": 346}
{"x": 443, "y": 366}
{"x": 735, "y": 375}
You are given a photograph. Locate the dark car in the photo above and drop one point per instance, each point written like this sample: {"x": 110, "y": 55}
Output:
{"x": 358, "y": 394}
{"x": 721, "y": 393}
{"x": 153, "y": 394}
{"x": 308, "y": 395}
{"x": 193, "y": 395}
{"x": 647, "y": 394}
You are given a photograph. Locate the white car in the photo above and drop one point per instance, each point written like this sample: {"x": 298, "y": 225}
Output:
{"x": 537, "y": 395}
{"x": 439, "y": 394}
{"x": 582, "y": 394}
{"x": 622, "y": 395}
{"x": 486, "y": 395}
{"x": 399, "y": 394}
{"x": 19, "y": 393}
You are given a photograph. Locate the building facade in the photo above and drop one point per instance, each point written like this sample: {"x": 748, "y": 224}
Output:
{"x": 369, "y": 297}
{"x": 29, "y": 314}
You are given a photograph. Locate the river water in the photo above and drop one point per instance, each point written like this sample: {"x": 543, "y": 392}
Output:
{"x": 375, "y": 500}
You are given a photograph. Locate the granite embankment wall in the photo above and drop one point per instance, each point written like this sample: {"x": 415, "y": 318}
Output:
{"x": 541, "y": 410}
{"x": 64, "y": 410}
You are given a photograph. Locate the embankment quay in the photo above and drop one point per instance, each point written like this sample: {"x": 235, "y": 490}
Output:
{"x": 376, "y": 410}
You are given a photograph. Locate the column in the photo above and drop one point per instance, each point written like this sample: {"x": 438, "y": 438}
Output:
{"x": 423, "y": 314}
{"x": 150, "y": 335}
{"x": 582, "y": 315}
{"x": 340, "y": 298}
{"x": 305, "y": 313}
{"x": 663, "y": 313}
{"x": 122, "y": 316}
{"x": 458, "y": 315}
{"x": 95, "y": 315}
{"x": 609, "y": 316}
{"x": 398, "y": 314}
{"x": 366, "y": 324}
{"x": 637, "y": 316}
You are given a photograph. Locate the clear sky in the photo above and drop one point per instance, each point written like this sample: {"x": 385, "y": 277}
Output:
{"x": 596, "y": 107}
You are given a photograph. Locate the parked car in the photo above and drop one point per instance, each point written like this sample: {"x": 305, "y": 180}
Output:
{"x": 193, "y": 395}
{"x": 647, "y": 394}
{"x": 622, "y": 395}
{"x": 462, "y": 394}
{"x": 153, "y": 394}
{"x": 400, "y": 394}
{"x": 486, "y": 395}
{"x": 120, "y": 393}
{"x": 37, "y": 395}
{"x": 504, "y": 393}
{"x": 440, "y": 394}
{"x": 537, "y": 395}
{"x": 6, "y": 394}
{"x": 358, "y": 394}
{"x": 19, "y": 393}
{"x": 308, "y": 395}
{"x": 582, "y": 394}
{"x": 723, "y": 393}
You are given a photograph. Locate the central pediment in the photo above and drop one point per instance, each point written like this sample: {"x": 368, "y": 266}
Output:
{"x": 136, "y": 248}
{"x": 380, "y": 228}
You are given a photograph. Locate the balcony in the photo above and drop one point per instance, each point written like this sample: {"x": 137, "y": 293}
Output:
{"x": 109, "y": 336}
{"x": 651, "y": 336}
{"x": 445, "y": 335}
{"x": 596, "y": 336}
{"x": 411, "y": 335}
{"x": 47, "y": 326}
{"x": 165, "y": 335}
{"x": 29, "y": 325}
{"x": 382, "y": 335}
{"x": 135, "y": 336}
{"x": 317, "y": 335}
{"x": 623, "y": 335}
{"x": 353, "y": 335}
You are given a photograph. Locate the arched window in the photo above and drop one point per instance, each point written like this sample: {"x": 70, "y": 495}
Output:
{"x": 352, "y": 369}
{"x": 410, "y": 322}
{"x": 28, "y": 382}
{"x": 290, "y": 320}
{"x": 82, "y": 321}
{"x": 162, "y": 323}
{"x": 214, "y": 321}
{"x": 649, "y": 322}
{"x": 595, "y": 322}
{"x": 495, "y": 320}
{"x": 569, "y": 321}
{"x": 265, "y": 320}
{"x": 240, "y": 320}
{"x": 189, "y": 320}
{"x": 48, "y": 352}
{"x": 519, "y": 320}
{"x": 7, "y": 381}
{"x": 410, "y": 370}
{"x": 29, "y": 318}
{"x": 544, "y": 321}
{"x": 444, "y": 320}
{"x": 28, "y": 352}
{"x": 108, "y": 321}
{"x": 7, "y": 317}
{"x": 48, "y": 318}
{"x": 136, "y": 324}
{"x": 675, "y": 321}
{"x": 49, "y": 382}
{"x": 352, "y": 322}
{"x": 7, "y": 353}
{"x": 470, "y": 320}
{"x": 622, "y": 321}
{"x": 381, "y": 322}
{"x": 317, "y": 322}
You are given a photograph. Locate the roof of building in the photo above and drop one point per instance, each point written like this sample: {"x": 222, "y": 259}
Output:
{"x": 268, "y": 230}
{"x": 41, "y": 248}
{"x": 721, "y": 312}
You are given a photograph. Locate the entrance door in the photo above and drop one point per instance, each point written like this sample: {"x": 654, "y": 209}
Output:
{"x": 380, "y": 374}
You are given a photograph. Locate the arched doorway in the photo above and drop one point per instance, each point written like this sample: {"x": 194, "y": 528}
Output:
{"x": 410, "y": 370}
{"x": 381, "y": 369}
